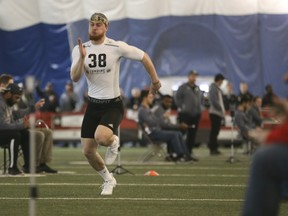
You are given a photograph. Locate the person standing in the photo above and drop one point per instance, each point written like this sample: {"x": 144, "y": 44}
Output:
{"x": 216, "y": 113}
{"x": 189, "y": 99}
{"x": 99, "y": 60}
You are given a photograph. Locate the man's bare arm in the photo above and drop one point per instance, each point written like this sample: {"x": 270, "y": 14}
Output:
{"x": 149, "y": 66}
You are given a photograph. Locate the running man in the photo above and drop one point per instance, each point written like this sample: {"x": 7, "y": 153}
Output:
{"x": 99, "y": 60}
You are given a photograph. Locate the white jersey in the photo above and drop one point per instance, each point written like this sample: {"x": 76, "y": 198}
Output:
{"x": 102, "y": 64}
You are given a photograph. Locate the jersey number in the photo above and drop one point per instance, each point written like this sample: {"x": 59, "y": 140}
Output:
{"x": 101, "y": 60}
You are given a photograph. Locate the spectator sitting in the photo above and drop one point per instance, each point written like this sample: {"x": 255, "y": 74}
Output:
{"x": 43, "y": 136}
{"x": 162, "y": 113}
{"x": 50, "y": 96}
{"x": 11, "y": 129}
{"x": 135, "y": 99}
{"x": 230, "y": 99}
{"x": 244, "y": 92}
{"x": 254, "y": 112}
{"x": 68, "y": 99}
{"x": 242, "y": 121}
{"x": 267, "y": 100}
{"x": 68, "y": 103}
{"x": 5, "y": 79}
{"x": 149, "y": 122}
{"x": 124, "y": 98}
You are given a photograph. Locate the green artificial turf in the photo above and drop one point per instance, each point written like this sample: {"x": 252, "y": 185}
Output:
{"x": 211, "y": 186}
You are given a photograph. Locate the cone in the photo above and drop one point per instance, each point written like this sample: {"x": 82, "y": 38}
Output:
{"x": 151, "y": 173}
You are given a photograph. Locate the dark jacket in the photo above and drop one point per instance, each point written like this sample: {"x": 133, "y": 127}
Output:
{"x": 12, "y": 119}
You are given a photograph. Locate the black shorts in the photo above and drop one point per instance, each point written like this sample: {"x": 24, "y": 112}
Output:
{"x": 102, "y": 112}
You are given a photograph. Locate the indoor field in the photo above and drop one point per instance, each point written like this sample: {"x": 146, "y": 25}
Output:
{"x": 211, "y": 186}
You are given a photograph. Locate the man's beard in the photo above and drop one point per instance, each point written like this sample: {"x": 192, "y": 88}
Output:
{"x": 96, "y": 37}
{"x": 10, "y": 102}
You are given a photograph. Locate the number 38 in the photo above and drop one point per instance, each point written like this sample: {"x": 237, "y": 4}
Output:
{"x": 99, "y": 61}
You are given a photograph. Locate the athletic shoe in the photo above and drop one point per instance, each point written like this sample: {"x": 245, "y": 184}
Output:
{"x": 45, "y": 168}
{"x": 184, "y": 160}
{"x": 14, "y": 171}
{"x": 26, "y": 170}
{"x": 215, "y": 152}
{"x": 107, "y": 187}
{"x": 112, "y": 152}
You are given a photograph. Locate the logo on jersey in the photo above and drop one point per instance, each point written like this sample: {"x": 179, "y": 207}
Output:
{"x": 100, "y": 71}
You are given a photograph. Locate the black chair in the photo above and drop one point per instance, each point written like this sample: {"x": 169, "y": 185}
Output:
{"x": 154, "y": 148}
{"x": 5, "y": 147}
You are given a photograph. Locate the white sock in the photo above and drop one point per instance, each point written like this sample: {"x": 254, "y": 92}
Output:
{"x": 116, "y": 140}
{"x": 105, "y": 174}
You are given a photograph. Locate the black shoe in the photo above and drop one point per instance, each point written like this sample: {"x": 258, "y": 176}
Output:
{"x": 27, "y": 170}
{"x": 215, "y": 152}
{"x": 44, "y": 168}
{"x": 14, "y": 171}
{"x": 184, "y": 160}
{"x": 172, "y": 157}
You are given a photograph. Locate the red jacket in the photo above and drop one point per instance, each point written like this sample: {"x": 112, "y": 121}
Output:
{"x": 278, "y": 134}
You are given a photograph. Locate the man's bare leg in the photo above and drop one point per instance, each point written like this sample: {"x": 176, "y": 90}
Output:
{"x": 95, "y": 160}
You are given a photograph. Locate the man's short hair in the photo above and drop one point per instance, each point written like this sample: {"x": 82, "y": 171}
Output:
{"x": 4, "y": 78}
{"x": 144, "y": 94}
{"x": 218, "y": 77}
{"x": 167, "y": 96}
{"x": 193, "y": 72}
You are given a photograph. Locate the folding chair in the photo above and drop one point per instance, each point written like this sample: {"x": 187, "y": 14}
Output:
{"x": 155, "y": 148}
{"x": 5, "y": 147}
{"x": 38, "y": 124}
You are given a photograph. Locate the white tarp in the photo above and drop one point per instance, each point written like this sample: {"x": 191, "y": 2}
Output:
{"x": 17, "y": 14}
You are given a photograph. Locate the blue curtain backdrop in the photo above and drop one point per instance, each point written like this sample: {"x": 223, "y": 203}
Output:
{"x": 250, "y": 48}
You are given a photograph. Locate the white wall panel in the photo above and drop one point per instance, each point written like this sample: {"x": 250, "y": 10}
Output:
{"x": 273, "y": 6}
{"x": 17, "y": 14}
{"x": 61, "y": 11}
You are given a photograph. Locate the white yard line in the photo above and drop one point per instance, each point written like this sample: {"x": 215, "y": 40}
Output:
{"x": 124, "y": 199}
{"x": 136, "y": 185}
{"x": 168, "y": 165}
{"x": 165, "y": 175}
{"x": 177, "y": 175}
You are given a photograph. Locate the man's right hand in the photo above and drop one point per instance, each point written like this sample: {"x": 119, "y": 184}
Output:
{"x": 183, "y": 126}
{"x": 26, "y": 123}
{"x": 82, "y": 49}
